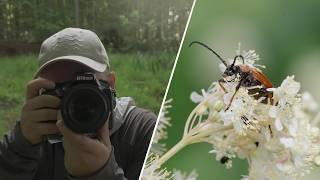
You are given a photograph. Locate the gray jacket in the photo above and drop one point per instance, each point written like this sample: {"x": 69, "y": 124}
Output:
{"x": 130, "y": 136}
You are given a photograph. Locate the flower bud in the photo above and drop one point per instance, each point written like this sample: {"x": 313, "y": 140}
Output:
{"x": 218, "y": 106}
{"x": 317, "y": 160}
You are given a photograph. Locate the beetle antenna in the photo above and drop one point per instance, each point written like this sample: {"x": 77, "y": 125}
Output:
{"x": 235, "y": 58}
{"x": 204, "y": 45}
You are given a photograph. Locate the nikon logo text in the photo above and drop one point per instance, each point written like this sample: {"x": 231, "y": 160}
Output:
{"x": 84, "y": 78}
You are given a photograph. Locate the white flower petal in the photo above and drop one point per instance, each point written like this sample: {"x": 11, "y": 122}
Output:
{"x": 283, "y": 167}
{"x": 290, "y": 85}
{"x": 195, "y": 97}
{"x": 273, "y": 112}
{"x": 178, "y": 175}
{"x": 227, "y": 117}
{"x": 317, "y": 160}
{"x": 227, "y": 98}
{"x": 293, "y": 127}
{"x": 238, "y": 126}
{"x": 287, "y": 142}
{"x": 278, "y": 124}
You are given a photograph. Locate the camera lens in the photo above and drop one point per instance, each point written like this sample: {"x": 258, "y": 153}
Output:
{"x": 85, "y": 105}
{"x": 85, "y": 108}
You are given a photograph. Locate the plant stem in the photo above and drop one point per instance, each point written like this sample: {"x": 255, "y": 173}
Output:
{"x": 190, "y": 139}
{"x": 176, "y": 148}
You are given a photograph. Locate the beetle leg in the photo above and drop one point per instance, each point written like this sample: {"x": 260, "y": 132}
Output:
{"x": 271, "y": 133}
{"x": 237, "y": 88}
{"x": 270, "y": 97}
{"x": 220, "y": 84}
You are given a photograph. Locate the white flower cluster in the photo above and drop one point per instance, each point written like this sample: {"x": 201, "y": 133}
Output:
{"x": 153, "y": 170}
{"x": 178, "y": 175}
{"x": 279, "y": 139}
{"x": 161, "y": 130}
{"x": 164, "y": 122}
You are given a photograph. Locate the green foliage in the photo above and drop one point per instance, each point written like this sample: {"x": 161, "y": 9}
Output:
{"x": 14, "y": 74}
{"x": 141, "y": 76}
{"x": 124, "y": 25}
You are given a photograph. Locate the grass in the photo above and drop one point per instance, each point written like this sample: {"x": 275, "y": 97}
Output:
{"x": 141, "y": 76}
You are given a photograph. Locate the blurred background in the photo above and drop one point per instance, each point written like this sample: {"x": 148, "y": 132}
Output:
{"x": 141, "y": 37}
{"x": 286, "y": 35}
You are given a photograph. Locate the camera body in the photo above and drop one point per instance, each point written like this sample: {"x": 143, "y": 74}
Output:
{"x": 86, "y": 103}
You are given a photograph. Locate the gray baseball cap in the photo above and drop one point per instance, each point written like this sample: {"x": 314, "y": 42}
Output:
{"x": 74, "y": 44}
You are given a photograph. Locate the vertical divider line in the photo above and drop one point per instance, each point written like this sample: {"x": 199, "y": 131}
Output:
{"x": 168, "y": 86}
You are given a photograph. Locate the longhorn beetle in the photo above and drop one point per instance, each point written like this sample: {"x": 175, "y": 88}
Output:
{"x": 249, "y": 77}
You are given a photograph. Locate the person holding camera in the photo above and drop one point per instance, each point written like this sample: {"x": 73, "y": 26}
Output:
{"x": 72, "y": 125}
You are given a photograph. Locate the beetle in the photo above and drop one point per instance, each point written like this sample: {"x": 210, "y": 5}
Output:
{"x": 249, "y": 76}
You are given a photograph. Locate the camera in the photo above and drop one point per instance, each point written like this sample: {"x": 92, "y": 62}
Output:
{"x": 86, "y": 103}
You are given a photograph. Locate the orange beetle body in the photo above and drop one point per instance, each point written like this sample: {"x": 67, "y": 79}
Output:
{"x": 257, "y": 74}
{"x": 250, "y": 77}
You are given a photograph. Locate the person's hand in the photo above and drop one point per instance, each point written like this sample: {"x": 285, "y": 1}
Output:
{"x": 83, "y": 155}
{"x": 38, "y": 111}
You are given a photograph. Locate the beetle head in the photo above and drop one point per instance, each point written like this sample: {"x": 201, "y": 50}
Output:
{"x": 231, "y": 70}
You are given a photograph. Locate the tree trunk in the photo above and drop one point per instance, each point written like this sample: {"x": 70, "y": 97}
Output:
{"x": 76, "y": 12}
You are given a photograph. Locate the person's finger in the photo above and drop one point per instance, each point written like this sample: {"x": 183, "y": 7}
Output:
{"x": 46, "y": 128}
{"x": 76, "y": 141}
{"x": 43, "y": 101}
{"x": 41, "y": 115}
{"x": 103, "y": 133}
{"x": 34, "y": 86}
{"x": 66, "y": 132}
